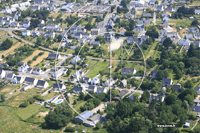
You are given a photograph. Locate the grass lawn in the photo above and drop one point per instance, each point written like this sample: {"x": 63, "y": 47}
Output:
{"x": 27, "y": 112}
{"x": 40, "y": 59}
{"x": 91, "y": 64}
{"x": 151, "y": 51}
{"x": 100, "y": 66}
{"x": 78, "y": 105}
{"x": 180, "y": 22}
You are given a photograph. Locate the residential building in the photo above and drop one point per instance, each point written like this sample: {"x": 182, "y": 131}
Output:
{"x": 58, "y": 73}
{"x": 92, "y": 121}
{"x": 38, "y": 1}
{"x": 189, "y": 36}
{"x": 50, "y": 34}
{"x": 92, "y": 88}
{"x": 52, "y": 26}
{"x": 10, "y": 76}
{"x": 123, "y": 83}
{"x": 172, "y": 34}
{"x": 26, "y": 33}
{"x": 122, "y": 94}
{"x": 196, "y": 109}
{"x": 95, "y": 81}
{"x": 25, "y": 88}
{"x": 18, "y": 80}
{"x": 42, "y": 84}
{"x": 23, "y": 67}
{"x": 184, "y": 42}
{"x": 196, "y": 43}
{"x": 78, "y": 74}
{"x": 86, "y": 80}
{"x": 197, "y": 35}
{"x": 108, "y": 83}
{"x": 127, "y": 71}
{"x": 129, "y": 16}
{"x": 81, "y": 118}
{"x": 101, "y": 90}
{"x": 167, "y": 82}
{"x": 140, "y": 29}
{"x": 197, "y": 11}
{"x": 156, "y": 97}
{"x": 29, "y": 70}
{"x": 197, "y": 90}
{"x": 30, "y": 81}
{"x": 14, "y": 24}
{"x": 176, "y": 87}
{"x": 153, "y": 74}
{"x": 75, "y": 60}
{"x": 78, "y": 89}
{"x": 54, "y": 56}
{"x": 25, "y": 24}
{"x": 58, "y": 87}
{"x": 95, "y": 31}
{"x": 35, "y": 34}
{"x": 146, "y": 15}
{"x": 37, "y": 71}
{"x": 2, "y": 74}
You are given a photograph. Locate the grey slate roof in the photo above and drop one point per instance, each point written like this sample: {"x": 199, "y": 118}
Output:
{"x": 127, "y": 70}
{"x": 85, "y": 115}
{"x": 91, "y": 88}
{"x": 29, "y": 80}
{"x": 195, "y": 108}
{"x": 56, "y": 86}
{"x": 197, "y": 90}
{"x": 40, "y": 83}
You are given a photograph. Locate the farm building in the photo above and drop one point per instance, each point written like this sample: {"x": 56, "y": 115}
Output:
{"x": 81, "y": 118}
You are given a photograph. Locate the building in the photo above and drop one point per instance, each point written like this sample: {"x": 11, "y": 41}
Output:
{"x": 37, "y": 71}
{"x": 58, "y": 73}
{"x": 2, "y": 74}
{"x": 86, "y": 80}
{"x": 167, "y": 82}
{"x": 153, "y": 74}
{"x": 92, "y": 88}
{"x": 54, "y": 56}
{"x": 95, "y": 31}
{"x": 146, "y": 15}
{"x": 197, "y": 11}
{"x": 26, "y": 88}
{"x": 26, "y": 33}
{"x": 30, "y": 81}
{"x": 50, "y": 34}
{"x": 184, "y": 42}
{"x": 58, "y": 87}
{"x": 176, "y": 87}
{"x": 52, "y": 26}
{"x": 108, "y": 83}
{"x": 42, "y": 84}
{"x": 197, "y": 90}
{"x": 92, "y": 121}
{"x": 18, "y": 80}
{"x": 81, "y": 118}
{"x": 122, "y": 94}
{"x": 78, "y": 74}
{"x": 156, "y": 97}
{"x": 25, "y": 24}
{"x": 123, "y": 83}
{"x": 127, "y": 71}
{"x": 95, "y": 81}
{"x": 75, "y": 60}
{"x": 140, "y": 28}
{"x": 10, "y": 76}
{"x": 78, "y": 89}
{"x": 196, "y": 109}
{"x": 101, "y": 90}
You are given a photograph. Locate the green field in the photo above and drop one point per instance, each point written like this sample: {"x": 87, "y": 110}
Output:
{"x": 100, "y": 66}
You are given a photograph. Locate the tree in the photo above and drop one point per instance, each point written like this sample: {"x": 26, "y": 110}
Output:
{"x": 81, "y": 96}
{"x": 98, "y": 125}
{"x": 3, "y": 98}
{"x": 6, "y": 44}
{"x": 59, "y": 117}
{"x": 190, "y": 99}
{"x": 136, "y": 96}
{"x": 145, "y": 96}
{"x": 195, "y": 23}
{"x": 170, "y": 99}
{"x": 59, "y": 37}
{"x": 34, "y": 23}
{"x": 189, "y": 84}
{"x": 167, "y": 42}
{"x": 100, "y": 39}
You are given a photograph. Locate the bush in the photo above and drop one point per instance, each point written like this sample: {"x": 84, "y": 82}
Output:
{"x": 69, "y": 129}
{"x": 98, "y": 125}
{"x": 31, "y": 100}
{"x": 24, "y": 105}
{"x": 38, "y": 97}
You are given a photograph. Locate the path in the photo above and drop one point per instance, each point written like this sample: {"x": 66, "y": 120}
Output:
{"x": 195, "y": 123}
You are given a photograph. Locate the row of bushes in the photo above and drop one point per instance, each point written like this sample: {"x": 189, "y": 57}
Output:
{"x": 31, "y": 101}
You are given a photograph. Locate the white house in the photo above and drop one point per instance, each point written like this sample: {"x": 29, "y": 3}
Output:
{"x": 58, "y": 73}
{"x": 75, "y": 60}
{"x": 26, "y": 88}
{"x": 95, "y": 81}
{"x": 30, "y": 81}
{"x": 58, "y": 87}
{"x": 197, "y": 11}
{"x": 108, "y": 83}
{"x": 52, "y": 26}
{"x": 26, "y": 33}
{"x": 101, "y": 90}
{"x": 2, "y": 74}
{"x": 184, "y": 42}
{"x": 10, "y": 76}
{"x": 23, "y": 67}
{"x": 37, "y": 71}
{"x": 18, "y": 80}
{"x": 42, "y": 84}
{"x": 25, "y": 24}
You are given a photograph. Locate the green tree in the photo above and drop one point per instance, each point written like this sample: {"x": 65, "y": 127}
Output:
{"x": 190, "y": 99}
{"x": 3, "y": 98}
{"x": 98, "y": 125}
{"x": 195, "y": 23}
{"x": 170, "y": 99}
{"x": 145, "y": 96}
{"x": 81, "y": 96}
{"x": 167, "y": 42}
{"x": 6, "y": 44}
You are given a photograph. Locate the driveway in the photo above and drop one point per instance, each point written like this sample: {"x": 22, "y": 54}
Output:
{"x": 101, "y": 107}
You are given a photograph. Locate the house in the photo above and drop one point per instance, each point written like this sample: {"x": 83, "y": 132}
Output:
{"x": 176, "y": 87}
{"x": 54, "y": 56}
{"x": 167, "y": 82}
{"x": 81, "y": 118}
{"x": 95, "y": 31}
{"x": 78, "y": 35}
{"x": 77, "y": 75}
{"x": 169, "y": 9}
{"x": 26, "y": 88}
{"x": 75, "y": 60}
{"x": 139, "y": 28}
{"x": 95, "y": 43}
{"x": 189, "y": 36}
{"x": 186, "y": 125}
{"x": 172, "y": 34}
{"x": 42, "y": 84}
{"x": 159, "y": 8}
{"x": 29, "y": 70}
{"x": 95, "y": 81}
{"x": 50, "y": 34}
{"x": 92, "y": 121}
{"x": 25, "y": 24}
{"x": 129, "y": 16}
{"x": 146, "y": 22}
{"x": 41, "y": 26}
{"x": 166, "y": 19}
{"x": 52, "y": 26}
{"x": 38, "y": 1}
{"x": 10, "y": 76}
{"x": 14, "y": 24}
{"x": 196, "y": 109}
{"x": 2, "y": 74}
{"x": 197, "y": 35}
{"x": 146, "y": 15}
{"x": 101, "y": 90}
{"x": 111, "y": 24}
{"x": 123, "y": 83}
{"x": 22, "y": 67}
{"x": 35, "y": 34}
{"x": 78, "y": 89}
{"x": 115, "y": 18}
{"x": 108, "y": 83}
{"x": 18, "y": 80}
{"x": 4, "y": 65}
{"x": 184, "y": 42}
{"x": 26, "y": 33}
{"x": 122, "y": 94}
{"x": 197, "y": 90}
{"x": 109, "y": 36}
{"x": 132, "y": 39}
{"x": 196, "y": 43}
{"x": 153, "y": 74}
{"x": 127, "y": 71}
{"x": 86, "y": 80}
{"x": 58, "y": 87}
{"x": 122, "y": 31}
{"x": 92, "y": 88}
{"x": 197, "y": 11}
{"x": 37, "y": 71}
{"x": 58, "y": 73}
{"x": 156, "y": 97}
{"x": 30, "y": 81}
{"x": 16, "y": 15}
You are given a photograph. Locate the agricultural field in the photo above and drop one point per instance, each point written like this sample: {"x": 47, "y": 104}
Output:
{"x": 40, "y": 58}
